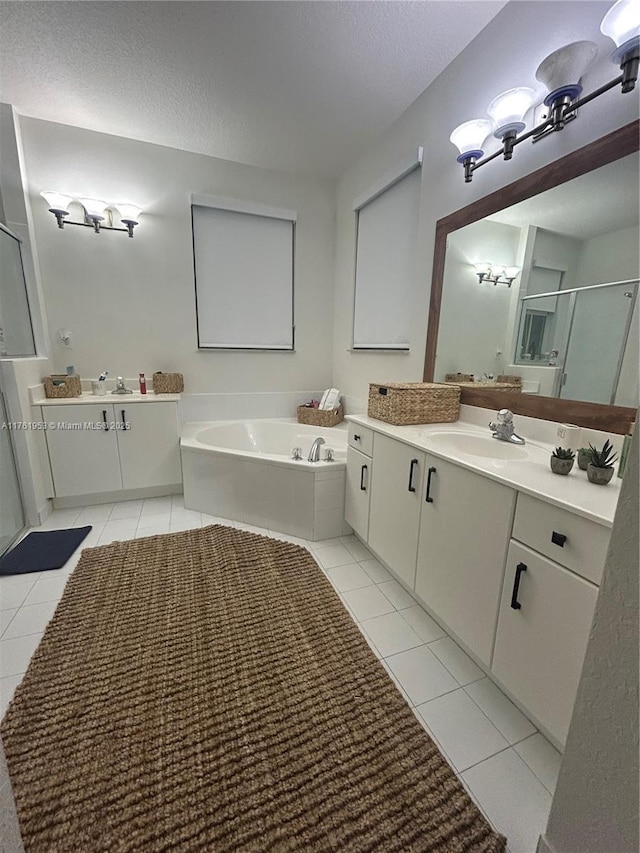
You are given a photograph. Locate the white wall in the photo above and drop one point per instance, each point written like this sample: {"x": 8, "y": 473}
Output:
{"x": 474, "y": 315}
{"x": 609, "y": 257}
{"x": 525, "y": 33}
{"x": 129, "y": 304}
{"x": 595, "y": 807}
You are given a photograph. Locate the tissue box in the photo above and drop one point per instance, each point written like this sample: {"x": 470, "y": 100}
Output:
{"x": 414, "y": 403}
{"x": 62, "y": 385}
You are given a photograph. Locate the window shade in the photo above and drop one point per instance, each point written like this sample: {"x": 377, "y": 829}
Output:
{"x": 385, "y": 264}
{"x": 244, "y": 279}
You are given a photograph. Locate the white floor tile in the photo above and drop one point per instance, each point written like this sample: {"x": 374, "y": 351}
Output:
{"x": 180, "y": 515}
{"x": 152, "y": 530}
{"x": 13, "y": 595}
{"x": 152, "y": 506}
{"x": 5, "y": 618}
{"x": 321, "y": 544}
{"x": 516, "y": 802}
{"x": 368, "y": 641}
{"x": 391, "y": 634}
{"x": 61, "y": 518}
{"x": 116, "y": 532}
{"x": 179, "y": 526}
{"x": 394, "y": 678}
{"x": 93, "y": 515}
{"x": 465, "y": 733}
{"x": 7, "y": 689}
{"x": 30, "y": 619}
{"x": 542, "y": 758}
{"x": 47, "y": 588}
{"x": 510, "y": 722}
{"x": 421, "y": 674}
{"x": 459, "y": 664}
{"x": 332, "y": 556}
{"x": 424, "y": 626}
{"x": 396, "y": 594}
{"x": 15, "y": 654}
{"x": 15, "y": 580}
{"x": 349, "y": 577}
{"x": 356, "y": 548}
{"x": 155, "y": 520}
{"x": 367, "y": 602}
{"x": 441, "y": 749}
{"x": 177, "y": 501}
{"x": 375, "y": 570}
{"x": 126, "y": 509}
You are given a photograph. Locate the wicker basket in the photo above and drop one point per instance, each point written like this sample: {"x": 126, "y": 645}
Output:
{"x": 62, "y": 385}
{"x": 168, "y": 383}
{"x": 320, "y": 417}
{"x": 458, "y": 377}
{"x": 509, "y": 378}
{"x": 414, "y": 403}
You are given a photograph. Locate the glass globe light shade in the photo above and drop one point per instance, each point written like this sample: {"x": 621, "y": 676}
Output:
{"x": 561, "y": 71}
{"x": 129, "y": 212}
{"x": 484, "y": 269}
{"x": 469, "y": 136}
{"x": 511, "y": 272}
{"x": 622, "y": 22}
{"x": 509, "y": 108}
{"x": 57, "y": 201}
{"x": 95, "y": 208}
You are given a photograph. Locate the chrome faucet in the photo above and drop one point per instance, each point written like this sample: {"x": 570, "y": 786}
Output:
{"x": 503, "y": 428}
{"x": 314, "y": 453}
{"x": 120, "y": 387}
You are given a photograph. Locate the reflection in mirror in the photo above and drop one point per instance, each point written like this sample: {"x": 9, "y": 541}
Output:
{"x": 564, "y": 337}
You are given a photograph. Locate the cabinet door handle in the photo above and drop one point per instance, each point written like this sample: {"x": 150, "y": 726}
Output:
{"x": 558, "y": 539}
{"x": 363, "y": 488}
{"x": 414, "y": 462}
{"x": 123, "y": 417}
{"x": 356, "y": 438}
{"x": 428, "y": 497}
{"x": 520, "y": 568}
{"x": 104, "y": 418}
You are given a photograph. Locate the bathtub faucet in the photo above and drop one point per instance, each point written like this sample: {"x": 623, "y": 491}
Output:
{"x": 314, "y": 453}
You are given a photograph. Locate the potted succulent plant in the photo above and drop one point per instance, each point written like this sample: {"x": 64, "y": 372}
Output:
{"x": 562, "y": 460}
{"x": 584, "y": 457}
{"x": 600, "y": 467}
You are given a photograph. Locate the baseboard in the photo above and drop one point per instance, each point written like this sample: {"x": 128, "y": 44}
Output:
{"x": 115, "y": 497}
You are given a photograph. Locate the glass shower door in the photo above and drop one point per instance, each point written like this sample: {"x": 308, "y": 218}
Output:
{"x": 11, "y": 511}
{"x": 599, "y": 333}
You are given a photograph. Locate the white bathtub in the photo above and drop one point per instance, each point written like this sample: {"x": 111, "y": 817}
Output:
{"x": 244, "y": 471}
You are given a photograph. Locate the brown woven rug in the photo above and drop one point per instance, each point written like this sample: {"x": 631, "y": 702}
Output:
{"x": 207, "y": 691}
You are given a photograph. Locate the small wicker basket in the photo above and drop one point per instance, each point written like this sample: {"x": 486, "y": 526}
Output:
{"x": 458, "y": 377}
{"x": 414, "y": 403}
{"x": 168, "y": 383}
{"x": 62, "y": 385}
{"x": 320, "y": 417}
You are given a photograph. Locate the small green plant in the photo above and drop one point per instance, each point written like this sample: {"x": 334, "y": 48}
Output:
{"x": 603, "y": 458}
{"x": 563, "y": 453}
{"x": 585, "y": 451}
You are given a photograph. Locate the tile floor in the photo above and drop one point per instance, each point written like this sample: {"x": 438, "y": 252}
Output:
{"x": 508, "y": 767}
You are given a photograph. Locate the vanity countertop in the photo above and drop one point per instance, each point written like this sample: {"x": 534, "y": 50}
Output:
{"x": 532, "y": 475}
{"x": 88, "y": 397}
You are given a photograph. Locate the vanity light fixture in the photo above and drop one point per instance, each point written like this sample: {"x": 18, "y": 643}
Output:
{"x": 496, "y": 273}
{"x": 95, "y": 212}
{"x": 560, "y": 72}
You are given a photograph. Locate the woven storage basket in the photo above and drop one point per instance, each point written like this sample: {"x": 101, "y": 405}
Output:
{"x": 320, "y": 417}
{"x": 458, "y": 377}
{"x": 168, "y": 383}
{"x": 414, "y": 403}
{"x": 510, "y": 378}
{"x": 62, "y": 385}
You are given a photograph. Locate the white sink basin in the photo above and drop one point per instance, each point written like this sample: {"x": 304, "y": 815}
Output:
{"x": 478, "y": 445}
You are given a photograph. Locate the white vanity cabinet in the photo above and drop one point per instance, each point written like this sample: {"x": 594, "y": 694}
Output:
{"x": 465, "y": 526}
{"x": 359, "y": 479}
{"x": 394, "y": 515}
{"x": 547, "y": 609}
{"x": 92, "y": 452}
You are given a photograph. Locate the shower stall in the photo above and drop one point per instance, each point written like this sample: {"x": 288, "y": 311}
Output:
{"x": 589, "y": 336}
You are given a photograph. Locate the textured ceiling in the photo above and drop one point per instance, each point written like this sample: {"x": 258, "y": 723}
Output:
{"x": 600, "y": 202}
{"x": 297, "y": 86}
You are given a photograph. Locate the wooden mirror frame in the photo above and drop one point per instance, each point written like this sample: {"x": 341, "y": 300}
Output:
{"x": 607, "y": 149}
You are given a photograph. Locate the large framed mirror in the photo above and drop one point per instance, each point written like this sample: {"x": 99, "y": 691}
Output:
{"x": 565, "y": 326}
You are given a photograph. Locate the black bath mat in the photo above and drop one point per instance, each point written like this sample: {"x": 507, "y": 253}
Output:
{"x": 39, "y": 552}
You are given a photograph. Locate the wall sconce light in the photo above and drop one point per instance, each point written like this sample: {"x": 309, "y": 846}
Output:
{"x": 560, "y": 72}
{"x": 95, "y": 212}
{"x": 496, "y": 273}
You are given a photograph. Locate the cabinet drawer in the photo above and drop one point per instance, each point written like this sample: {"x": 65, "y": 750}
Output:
{"x": 575, "y": 542}
{"x": 361, "y": 438}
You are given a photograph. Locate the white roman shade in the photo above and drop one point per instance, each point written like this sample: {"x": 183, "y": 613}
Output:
{"x": 243, "y": 262}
